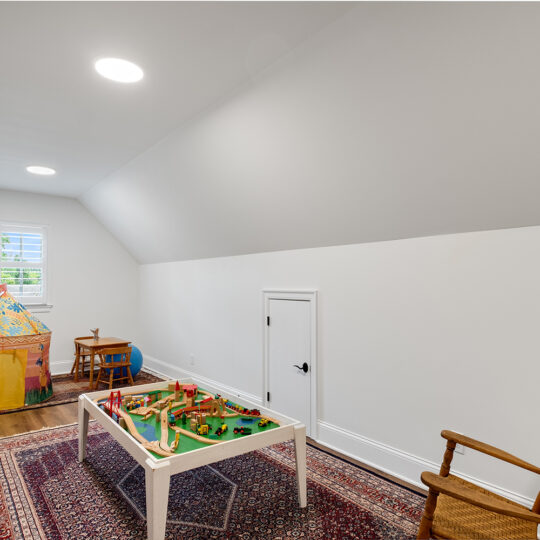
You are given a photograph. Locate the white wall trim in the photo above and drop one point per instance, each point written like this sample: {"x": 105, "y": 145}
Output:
{"x": 38, "y": 308}
{"x": 307, "y": 295}
{"x": 174, "y": 372}
{"x": 398, "y": 463}
{"x": 61, "y": 368}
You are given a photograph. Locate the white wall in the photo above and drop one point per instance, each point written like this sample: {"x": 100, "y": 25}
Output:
{"x": 419, "y": 335}
{"x": 92, "y": 280}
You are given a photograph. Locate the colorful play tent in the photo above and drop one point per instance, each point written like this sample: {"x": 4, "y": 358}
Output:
{"x": 25, "y": 378}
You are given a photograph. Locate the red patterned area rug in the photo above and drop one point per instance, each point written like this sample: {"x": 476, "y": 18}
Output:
{"x": 46, "y": 494}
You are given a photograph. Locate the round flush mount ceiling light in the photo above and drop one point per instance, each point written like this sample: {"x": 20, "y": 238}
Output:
{"x": 38, "y": 169}
{"x": 119, "y": 70}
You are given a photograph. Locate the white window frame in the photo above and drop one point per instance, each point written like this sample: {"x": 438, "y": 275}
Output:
{"x": 38, "y": 302}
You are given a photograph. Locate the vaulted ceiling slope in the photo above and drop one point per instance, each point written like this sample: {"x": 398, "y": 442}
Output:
{"x": 56, "y": 111}
{"x": 398, "y": 120}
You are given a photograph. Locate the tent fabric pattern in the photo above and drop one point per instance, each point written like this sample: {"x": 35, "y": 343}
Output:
{"x": 15, "y": 320}
{"x": 25, "y": 378}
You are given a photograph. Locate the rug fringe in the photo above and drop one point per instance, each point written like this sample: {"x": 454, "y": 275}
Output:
{"x": 45, "y": 428}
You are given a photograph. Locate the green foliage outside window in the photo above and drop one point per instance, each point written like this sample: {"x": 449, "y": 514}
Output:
{"x": 17, "y": 276}
{"x": 5, "y": 241}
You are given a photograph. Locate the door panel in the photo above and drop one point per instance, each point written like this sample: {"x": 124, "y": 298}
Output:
{"x": 289, "y": 344}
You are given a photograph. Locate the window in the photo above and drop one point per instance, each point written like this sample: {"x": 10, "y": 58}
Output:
{"x": 22, "y": 262}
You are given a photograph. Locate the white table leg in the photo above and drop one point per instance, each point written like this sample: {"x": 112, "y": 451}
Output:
{"x": 158, "y": 477}
{"x": 83, "y": 429}
{"x": 300, "y": 450}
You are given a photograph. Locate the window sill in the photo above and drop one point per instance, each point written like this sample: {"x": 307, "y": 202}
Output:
{"x": 38, "y": 308}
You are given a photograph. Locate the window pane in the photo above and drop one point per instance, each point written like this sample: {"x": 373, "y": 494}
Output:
{"x": 23, "y": 282}
{"x": 21, "y": 247}
{"x": 11, "y": 246}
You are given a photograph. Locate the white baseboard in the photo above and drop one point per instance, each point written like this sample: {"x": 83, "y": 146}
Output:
{"x": 64, "y": 368}
{"x": 60, "y": 368}
{"x": 163, "y": 369}
{"x": 395, "y": 462}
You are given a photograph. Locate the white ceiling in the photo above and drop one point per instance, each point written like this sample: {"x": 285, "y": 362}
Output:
{"x": 399, "y": 119}
{"x": 56, "y": 111}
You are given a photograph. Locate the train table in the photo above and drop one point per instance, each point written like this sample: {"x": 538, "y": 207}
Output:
{"x": 173, "y": 426}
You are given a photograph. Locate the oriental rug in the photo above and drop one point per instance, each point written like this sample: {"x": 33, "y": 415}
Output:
{"x": 46, "y": 494}
{"x": 66, "y": 390}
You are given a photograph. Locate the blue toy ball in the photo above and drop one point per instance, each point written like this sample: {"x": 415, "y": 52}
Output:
{"x": 136, "y": 360}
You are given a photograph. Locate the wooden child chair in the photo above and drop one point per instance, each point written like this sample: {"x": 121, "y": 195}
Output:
{"x": 459, "y": 509}
{"x": 119, "y": 357}
{"x": 82, "y": 356}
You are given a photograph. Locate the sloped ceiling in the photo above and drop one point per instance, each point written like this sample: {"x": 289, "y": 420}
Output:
{"x": 398, "y": 120}
{"x": 56, "y": 110}
{"x": 379, "y": 121}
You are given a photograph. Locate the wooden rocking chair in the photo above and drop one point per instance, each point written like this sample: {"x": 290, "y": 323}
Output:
{"x": 459, "y": 509}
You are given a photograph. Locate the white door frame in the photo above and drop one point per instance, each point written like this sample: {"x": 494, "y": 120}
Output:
{"x": 311, "y": 297}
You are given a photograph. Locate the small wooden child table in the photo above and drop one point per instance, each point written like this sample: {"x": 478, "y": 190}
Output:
{"x": 94, "y": 345}
{"x": 158, "y": 469}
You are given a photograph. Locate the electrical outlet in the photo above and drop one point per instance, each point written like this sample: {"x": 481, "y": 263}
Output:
{"x": 191, "y": 359}
{"x": 460, "y": 449}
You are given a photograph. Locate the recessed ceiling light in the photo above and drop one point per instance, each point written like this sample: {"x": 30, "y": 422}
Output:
{"x": 38, "y": 169}
{"x": 119, "y": 70}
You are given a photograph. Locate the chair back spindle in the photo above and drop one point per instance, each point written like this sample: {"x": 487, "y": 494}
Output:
{"x": 80, "y": 354}
{"x": 120, "y": 358}
{"x": 447, "y": 458}
{"x": 536, "y": 505}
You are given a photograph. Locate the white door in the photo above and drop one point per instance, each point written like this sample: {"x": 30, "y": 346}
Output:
{"x": 289, "y": 354}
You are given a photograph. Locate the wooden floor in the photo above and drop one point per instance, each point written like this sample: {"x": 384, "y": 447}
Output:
{"x": 21, "y": 422}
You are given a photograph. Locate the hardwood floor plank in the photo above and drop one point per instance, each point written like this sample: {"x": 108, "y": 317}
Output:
{"x": 24, "y": 421}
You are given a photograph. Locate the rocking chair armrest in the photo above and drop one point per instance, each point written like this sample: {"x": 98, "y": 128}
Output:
{"x": 489, "y": 450}
{"x": 449, "y": 486}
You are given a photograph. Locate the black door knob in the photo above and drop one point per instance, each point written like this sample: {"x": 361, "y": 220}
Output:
{"x": 304, "y": 367}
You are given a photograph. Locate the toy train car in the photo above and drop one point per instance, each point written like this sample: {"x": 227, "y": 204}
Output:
{"x": 222, "y": 429}
{"x": 242, "y": 410}
{"x": 242, "y": 430}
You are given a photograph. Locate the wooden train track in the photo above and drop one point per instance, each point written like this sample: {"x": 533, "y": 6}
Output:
{"x": 162, "y": 447}
{"x": 195, "y": 436}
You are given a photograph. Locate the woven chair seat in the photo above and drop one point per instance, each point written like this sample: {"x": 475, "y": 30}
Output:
{"x": 457, "y": 519}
